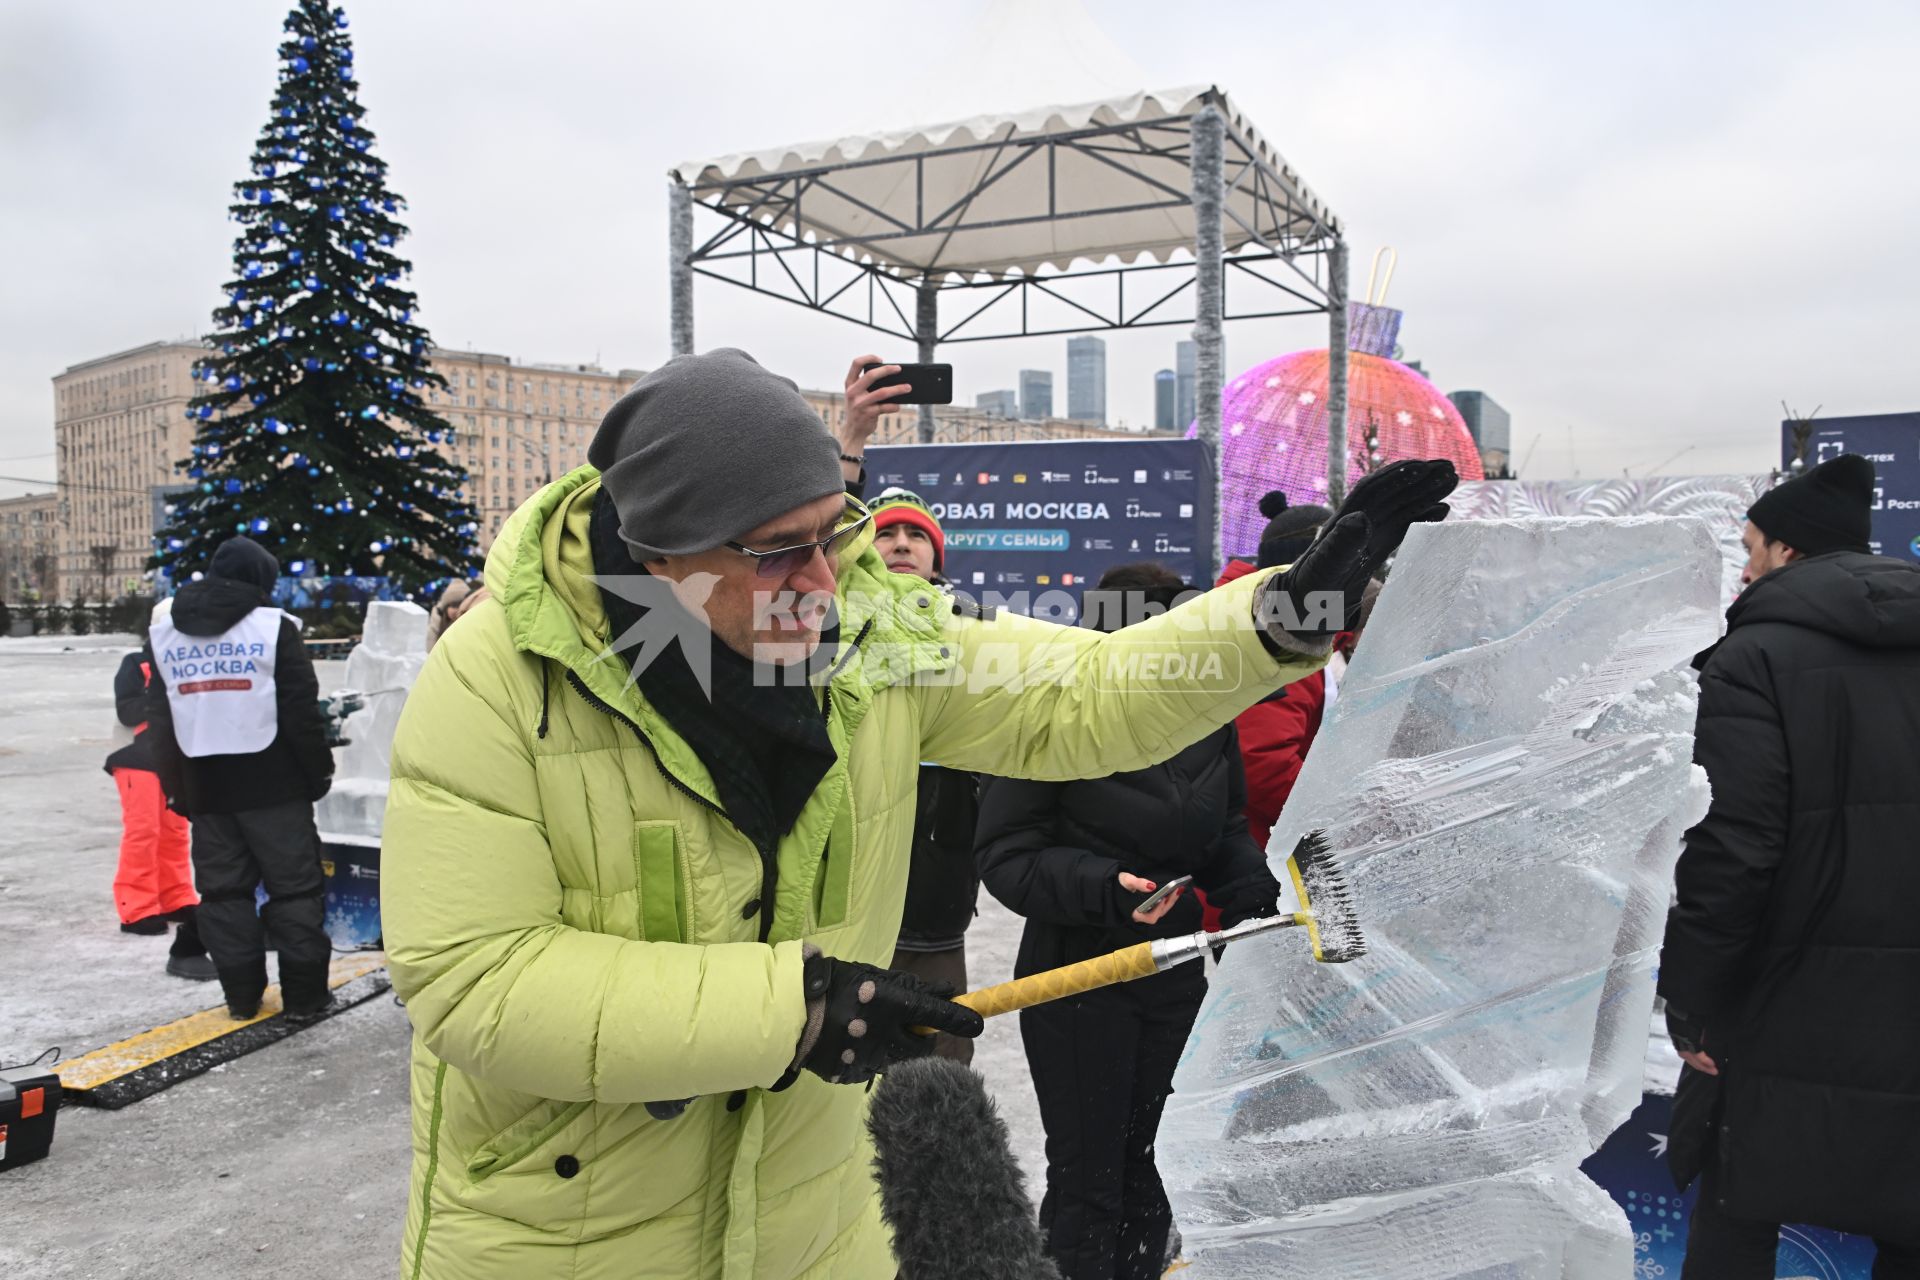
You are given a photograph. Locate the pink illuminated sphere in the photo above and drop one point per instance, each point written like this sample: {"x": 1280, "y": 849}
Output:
{"x": 1273, "y": 433}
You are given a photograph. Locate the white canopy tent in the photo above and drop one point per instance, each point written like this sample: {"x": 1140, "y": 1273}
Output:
{"x": 1030, "y": 222}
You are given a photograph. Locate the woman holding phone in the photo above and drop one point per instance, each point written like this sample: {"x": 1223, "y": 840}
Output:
{"x": 1087, "y": 863}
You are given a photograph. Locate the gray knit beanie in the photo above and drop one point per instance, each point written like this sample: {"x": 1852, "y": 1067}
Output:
{"x": 707, "y": 447}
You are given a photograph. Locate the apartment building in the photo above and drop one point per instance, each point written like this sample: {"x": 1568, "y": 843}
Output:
{"x": 120, "y": 425}
{"x": 29, "y": 548}
{"x": 518, "y": 425}
{"x": 119, "y": 422}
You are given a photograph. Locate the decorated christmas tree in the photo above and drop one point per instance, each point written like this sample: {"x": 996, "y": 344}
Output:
{"x": 312, "y": 427}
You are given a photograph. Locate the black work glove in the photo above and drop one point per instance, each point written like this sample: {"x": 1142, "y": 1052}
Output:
{"x": 1368, "y": 528}
{"x": 1688, "y": 1033}
{"x": 859, "y": 1019}
{"x": 1254, "y": 896}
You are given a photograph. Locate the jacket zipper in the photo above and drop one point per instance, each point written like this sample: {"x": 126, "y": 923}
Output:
{"x": 599, "y": 704}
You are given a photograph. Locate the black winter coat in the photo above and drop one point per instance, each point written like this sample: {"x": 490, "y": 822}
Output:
{"x": 296, "y": 765}
{"x": 942, "y": 882}
{"x": 130, "y": 706}
{"x": 1053, "y": 851}
{"x": 1796, "y": 938}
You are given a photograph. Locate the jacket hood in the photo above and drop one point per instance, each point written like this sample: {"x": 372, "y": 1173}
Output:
{"x": 213, "y": 605}
{"x": 1873, "y": 601}
{"x": 540, "y": 572}
{"x": 244, "y": 560}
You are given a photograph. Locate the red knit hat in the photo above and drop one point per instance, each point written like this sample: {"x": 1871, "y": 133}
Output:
{"x": 903, "y": 506}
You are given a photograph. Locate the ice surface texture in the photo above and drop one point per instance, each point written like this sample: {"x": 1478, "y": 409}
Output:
{"x": 1505, "y": 777}
{"x": 382, "y": 667}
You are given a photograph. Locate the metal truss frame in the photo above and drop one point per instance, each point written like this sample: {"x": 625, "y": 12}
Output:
{"x": 764, "y": 244}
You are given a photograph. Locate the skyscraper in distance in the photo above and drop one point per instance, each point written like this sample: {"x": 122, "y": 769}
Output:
{"x": 1186, "y": 364}
{"x": 998, "y": 404}
{"x": 1087, "y": 379}
{"x": 1036, "y": 394}
{"x": 1165, "y": 401}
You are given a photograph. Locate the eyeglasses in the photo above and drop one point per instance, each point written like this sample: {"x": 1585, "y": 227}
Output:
{"x": 782, "y": 561}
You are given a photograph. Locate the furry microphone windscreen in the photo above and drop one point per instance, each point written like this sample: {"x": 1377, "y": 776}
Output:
{"x": 949, "y": 1185}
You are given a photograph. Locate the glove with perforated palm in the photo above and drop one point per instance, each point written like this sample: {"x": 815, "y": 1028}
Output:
{"x": 860, "y": 1019}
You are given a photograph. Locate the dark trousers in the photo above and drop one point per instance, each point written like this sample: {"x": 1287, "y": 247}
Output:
{"x": 1722, "y": 1247}
{"x": 1102, "y": 1066}
{"x": 279, "y": 847}
{"x": 950, "y": 967}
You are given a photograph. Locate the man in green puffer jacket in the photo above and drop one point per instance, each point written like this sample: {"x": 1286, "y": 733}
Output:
{"x": 647, "y": 838}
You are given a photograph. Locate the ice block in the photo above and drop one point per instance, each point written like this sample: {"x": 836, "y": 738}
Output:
{"x": 382, "y": 668}
{"x": 1505, "y": 777}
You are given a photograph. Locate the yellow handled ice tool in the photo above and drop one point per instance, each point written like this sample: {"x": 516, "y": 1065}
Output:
{"x": 1327, "y": 914}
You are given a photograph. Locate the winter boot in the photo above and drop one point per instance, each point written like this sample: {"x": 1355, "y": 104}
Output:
{"x": 193, "y": 968}
{"x": 243, "y": 988}
{"x": 148, "y": 926}
{"x": 303, "y": 992}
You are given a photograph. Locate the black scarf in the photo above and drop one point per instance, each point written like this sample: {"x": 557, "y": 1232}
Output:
{"x": 761, "y": 736}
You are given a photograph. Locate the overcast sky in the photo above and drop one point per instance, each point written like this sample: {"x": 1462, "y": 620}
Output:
{"x": 1640, "y": 227}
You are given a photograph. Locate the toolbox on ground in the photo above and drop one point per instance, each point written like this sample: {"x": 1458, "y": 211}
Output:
{"x": 29, "y": 1099}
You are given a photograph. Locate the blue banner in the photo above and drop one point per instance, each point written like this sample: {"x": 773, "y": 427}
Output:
{"x": 1046, "y": 518}
{"x": 1632, "y": 1168}
{"x": 308, "y": 593}
{"x": 1891, "y": 441}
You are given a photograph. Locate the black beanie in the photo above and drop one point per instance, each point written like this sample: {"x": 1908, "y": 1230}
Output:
{"x": 1827, "y": 509}
{"x": 1290, "y": 530}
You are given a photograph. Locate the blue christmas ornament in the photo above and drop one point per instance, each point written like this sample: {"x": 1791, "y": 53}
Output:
{"x": 266, "y": 197}
{"x": 296, "y": 566}
{"x": 310, "y": 363}
{"x": 369, "y": 350}
{"x": 340, "y": 17}
{"x": 280, "y": 229}
{"x": 299, "y": 63}
{"x": 296, "y": 256}
{"x": 313, "y": 282}
{"x": 258, "y": 398}
{"x": 388, "y": 205}
{"x": 259, "y": 526}
{"x": 360, "y": 249}
{"x": 346, "y": 73}
{"x": 338, "y": 317}
{"x": 233, "y": 486}
{"x": 386, "y": 238}
{"x": 309, "y": 43}
{"x": 206, "y": 411}
{"x": 371, "y": 411}
{"x": 335, "y": 213}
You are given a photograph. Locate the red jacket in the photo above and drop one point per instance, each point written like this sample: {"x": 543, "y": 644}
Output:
{"x": 1275, "y": 733}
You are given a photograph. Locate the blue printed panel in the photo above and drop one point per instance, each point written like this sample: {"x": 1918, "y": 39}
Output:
{"x": 1036, "y": 523}
{"x": 1891, "y": 441}
{"x": 1632, "y": 1166}
{"x": 353, "y": 893}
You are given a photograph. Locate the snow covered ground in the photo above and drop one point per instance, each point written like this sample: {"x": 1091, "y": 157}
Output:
{"x": 291, "y": 1162}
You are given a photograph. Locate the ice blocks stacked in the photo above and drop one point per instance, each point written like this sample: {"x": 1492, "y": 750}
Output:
{"x": 1505, "y": 775}
{"x": 382, "y": 668}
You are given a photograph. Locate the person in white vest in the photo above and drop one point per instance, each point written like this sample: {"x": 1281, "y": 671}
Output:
{"x": 240, "y": 745}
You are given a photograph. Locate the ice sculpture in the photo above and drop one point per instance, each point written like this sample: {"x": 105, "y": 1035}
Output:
{"x": 382, "y": 668}
{"x": 1506, "y": 775}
